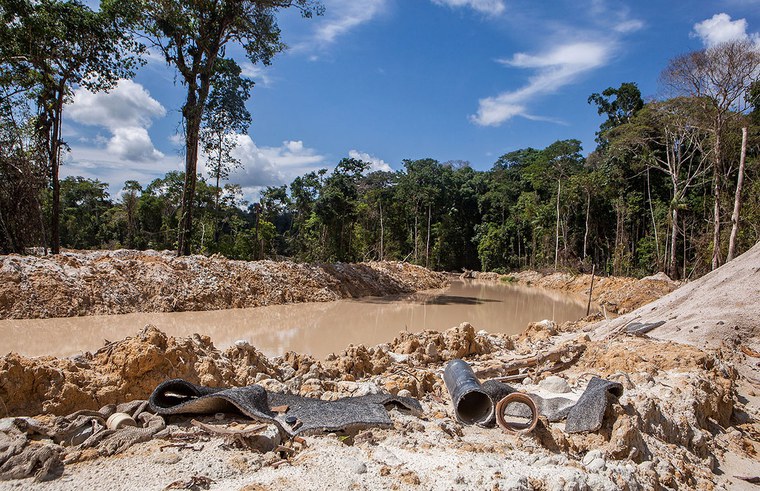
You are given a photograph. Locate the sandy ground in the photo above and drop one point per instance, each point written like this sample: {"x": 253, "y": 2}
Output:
{"x": 688, "y": 418}
{"x": 125, "y": 281}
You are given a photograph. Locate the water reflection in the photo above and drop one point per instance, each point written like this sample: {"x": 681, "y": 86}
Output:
{"x": 316, "y": 328}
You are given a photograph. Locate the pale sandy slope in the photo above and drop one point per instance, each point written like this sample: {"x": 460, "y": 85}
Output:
{"x": 719, "y": 310}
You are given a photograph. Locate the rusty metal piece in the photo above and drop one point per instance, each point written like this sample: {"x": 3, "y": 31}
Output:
{"x": 520, "y": 398}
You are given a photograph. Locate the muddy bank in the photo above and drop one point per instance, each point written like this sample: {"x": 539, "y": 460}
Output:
{"x": 615, "y": 294}
{"x": 680, "y": 423}
{"x": 125, "y": 281}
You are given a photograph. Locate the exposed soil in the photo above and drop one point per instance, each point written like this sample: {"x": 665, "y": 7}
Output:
{"x": 615, "y": 294}
{"x": 124, "y": 281}
{"x": 688, "y": 418}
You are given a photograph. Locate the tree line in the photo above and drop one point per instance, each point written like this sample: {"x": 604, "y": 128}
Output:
{"x": 672, "y": 184}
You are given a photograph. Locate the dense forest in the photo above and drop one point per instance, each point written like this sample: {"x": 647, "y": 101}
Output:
{"x": 673, "y": 184}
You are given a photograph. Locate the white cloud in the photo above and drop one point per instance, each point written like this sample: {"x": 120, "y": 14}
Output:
{"x": 129, "y": 104}
{"x": 488, "y": 7}
{"x": 272, "y": 166}
{"x": 375, "y": 163}
{"x": 127, "y": 112}
{"x": 720, "y": 29}
{"x": 555, "y": 68}
{"x": 628, "y": 26}
{"x": 341, "y": 16}
{"x": 107, "y": 166}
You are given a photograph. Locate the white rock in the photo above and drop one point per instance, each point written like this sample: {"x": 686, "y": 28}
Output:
{"x": 404, "y": 393}
{"x": 591, "y": 456}
{"x": 555, "y": 384}
{"x": 398, "y": 357}
{"x": 596, "y": 465}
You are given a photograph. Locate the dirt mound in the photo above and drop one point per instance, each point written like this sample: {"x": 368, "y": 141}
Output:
{"x": 124, "y": 281}
{"x": 719, "y": 310}
{"x": 617, "y": 294}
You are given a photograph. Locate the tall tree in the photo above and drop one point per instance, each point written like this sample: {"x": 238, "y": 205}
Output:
{"x": 620, "y": 105}
{"x": 52, "y": 46}
{"x": 719, "y": 77}
{"x": 193, "y": 35}
{"x": 224, "y": 119}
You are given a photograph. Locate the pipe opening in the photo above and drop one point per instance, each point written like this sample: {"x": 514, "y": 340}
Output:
{"x": 474, "y": 407}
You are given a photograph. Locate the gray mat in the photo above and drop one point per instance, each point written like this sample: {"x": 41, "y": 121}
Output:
{"x": 640, "y": 328}
{"x": 348, "y": 414}
{"x": 588, "y": 413}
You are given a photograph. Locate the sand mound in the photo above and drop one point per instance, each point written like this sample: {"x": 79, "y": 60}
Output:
{"x": 616, "y": 294}
{"x": 719, "y": 310}
{"x": 124, "y": 281}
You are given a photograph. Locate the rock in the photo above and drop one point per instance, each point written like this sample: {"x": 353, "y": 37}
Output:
{"x": 273, "y": 385}
{"x": 398, "y": 358}
{"x": 168, "y": 458}
{"x": 591, "y": 456}
{"x": 431, "y": 351}
{"x": 596, "y": 465}
{"x": 555, "y": 384}
{"x": 404, "y": 393}
{"x": 359, "y": 468}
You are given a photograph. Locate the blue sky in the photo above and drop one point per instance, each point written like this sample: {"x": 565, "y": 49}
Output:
{"x": 387, "y": 80}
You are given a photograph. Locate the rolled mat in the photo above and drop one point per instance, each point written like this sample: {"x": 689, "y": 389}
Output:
{"x": 304, "y": 415}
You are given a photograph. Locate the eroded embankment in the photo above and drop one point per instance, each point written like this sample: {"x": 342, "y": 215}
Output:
{"x": 616, "y": 294}
{"x": 677, "y": 419}
{"x": 125, "y": 281}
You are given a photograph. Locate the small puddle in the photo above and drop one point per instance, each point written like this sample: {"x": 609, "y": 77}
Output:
{"x": 314, "y": 328}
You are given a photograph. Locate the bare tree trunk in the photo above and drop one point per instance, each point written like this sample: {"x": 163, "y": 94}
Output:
{"x": 556, "y": 231}
{"x": 654, "y": 222}
{"x": 382, "y": 232}
{"x": 427, "y": 241}
{"x": 737, "y": 199}
{"x": 673, "y": 265}
{"x": 415, "y": 235}
{"x": 55, "y": 165}
{"x": 585, "y": 233}
{"x": 716, "y": 259}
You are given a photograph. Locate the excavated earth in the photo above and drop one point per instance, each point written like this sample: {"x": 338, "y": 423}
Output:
{"x": 688, "y": 417}
{"x": 125, "y": 281}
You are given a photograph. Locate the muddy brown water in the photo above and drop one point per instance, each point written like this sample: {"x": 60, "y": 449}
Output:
{"x": 314, "y": 328}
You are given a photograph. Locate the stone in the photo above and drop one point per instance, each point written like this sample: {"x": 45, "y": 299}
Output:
{"x": 431, "y": 350}
{"x": 167, "y": 458}
{"x": 359, "y": 468}
{"x": 404, "y": 393}
{"x": 596, "y": 465}
{"x": 555, "y": 384}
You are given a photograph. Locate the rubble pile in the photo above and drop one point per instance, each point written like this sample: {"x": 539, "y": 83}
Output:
{"x": 124, "y": 281}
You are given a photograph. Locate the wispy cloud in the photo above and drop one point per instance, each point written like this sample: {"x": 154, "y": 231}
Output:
{"x": 555, "y": 68}
{"x": 257, "y": 73}
{"x": 720, "y": 29}
{"x": 488, "y": 7}
{"x": 341, "y": 16}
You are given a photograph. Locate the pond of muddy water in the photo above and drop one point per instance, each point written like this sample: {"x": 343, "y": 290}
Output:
{"x": 314, "y": 328}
